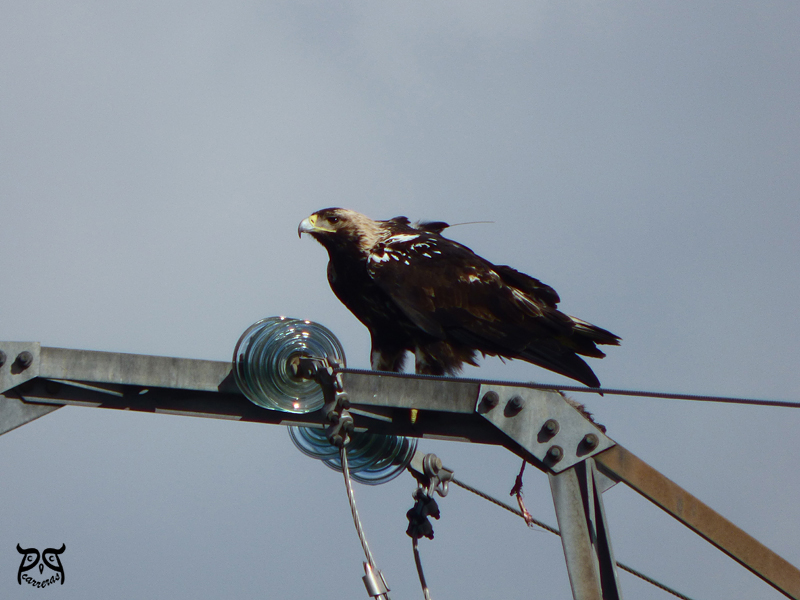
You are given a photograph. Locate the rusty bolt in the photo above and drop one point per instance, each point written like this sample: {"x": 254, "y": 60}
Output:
{"x": 24, "y": 359}
{"x": 590, "y": 441}
{"x": 515, "y": 404}
{"x": 551, "y": 427}
{"x": 555, "y": 453}
{"x": 491, "y": 399}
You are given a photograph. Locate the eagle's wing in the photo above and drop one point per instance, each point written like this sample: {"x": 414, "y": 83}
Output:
{"x": 454, "y": 295}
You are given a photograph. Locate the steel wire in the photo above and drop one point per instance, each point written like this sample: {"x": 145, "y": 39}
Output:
{"x": 356, "y": 519}
{"x": 547, "y": 527}
{"x": 574, "y": 388}
{"x": 425, "y": 591}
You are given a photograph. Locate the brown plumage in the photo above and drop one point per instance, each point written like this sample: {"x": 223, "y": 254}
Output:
{"x": 418, "y": 291}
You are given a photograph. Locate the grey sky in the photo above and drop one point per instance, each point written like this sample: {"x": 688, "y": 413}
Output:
{"x": 156, "y": 158}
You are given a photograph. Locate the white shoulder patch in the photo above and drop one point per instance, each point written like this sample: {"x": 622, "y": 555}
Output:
{"x": 402, "y": 237}
{"x": 380, "y": 258}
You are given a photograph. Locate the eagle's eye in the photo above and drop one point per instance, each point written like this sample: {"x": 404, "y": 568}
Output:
{"x": 333, "y": 220}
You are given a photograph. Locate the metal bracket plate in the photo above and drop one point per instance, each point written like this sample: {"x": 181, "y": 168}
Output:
{"x": 15, "y": 413}
{"x": 15, "y": 371}
{"x": 21, "y": 363}
{"x": 542, "y": 423}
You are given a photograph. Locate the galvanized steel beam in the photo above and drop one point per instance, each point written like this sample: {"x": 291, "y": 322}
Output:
{"x": 584, "y": 533}
{"x": 136, "y": 369}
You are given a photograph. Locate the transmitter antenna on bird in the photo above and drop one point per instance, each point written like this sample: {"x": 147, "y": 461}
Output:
{"x": 474, "y": 223}
{"x": 451, "y": 225}
{"x": 292, "y": 372}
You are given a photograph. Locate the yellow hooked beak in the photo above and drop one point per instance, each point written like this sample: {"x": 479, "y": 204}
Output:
{"x": 307, "y": 225}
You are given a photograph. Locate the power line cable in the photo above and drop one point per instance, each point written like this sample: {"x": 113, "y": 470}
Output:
{"x": 668, "y": 395}
{"x": 575, "y": 388}
{"x": 425, "y": 591}
{"x": 372, "y": 569}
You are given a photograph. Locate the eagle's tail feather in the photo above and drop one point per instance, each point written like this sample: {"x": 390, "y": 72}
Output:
{"x": 566, "y": 363}
{"x": 597, "y": 334}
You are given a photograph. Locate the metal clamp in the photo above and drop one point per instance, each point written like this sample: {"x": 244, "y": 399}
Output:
{"x": 325, "y": 372}
{"x": 374, "y": 581}
{"x": 438, "y": 476}
{"x": 336, "y": 403}
{"x": 430, "y": 474}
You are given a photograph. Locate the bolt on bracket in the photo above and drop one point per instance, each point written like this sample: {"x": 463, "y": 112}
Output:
{"x": 543, "y": 423}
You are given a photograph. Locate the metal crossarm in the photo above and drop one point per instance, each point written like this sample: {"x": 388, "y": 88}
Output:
{"x": 538, "y": 425}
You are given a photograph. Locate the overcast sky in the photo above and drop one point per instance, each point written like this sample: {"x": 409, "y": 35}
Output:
{"x": 155, "y": 161}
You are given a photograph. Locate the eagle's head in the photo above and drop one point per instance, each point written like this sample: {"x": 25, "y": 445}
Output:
{"x": 340, "y": 229}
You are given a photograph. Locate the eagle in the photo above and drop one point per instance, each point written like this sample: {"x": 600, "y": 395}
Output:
{"x": 420, "y": 292}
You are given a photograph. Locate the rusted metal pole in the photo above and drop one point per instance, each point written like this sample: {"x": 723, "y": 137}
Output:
{"x": 620, "y": 464}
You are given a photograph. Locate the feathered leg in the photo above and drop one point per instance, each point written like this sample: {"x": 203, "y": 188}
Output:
{"x": 385, "y": 358}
